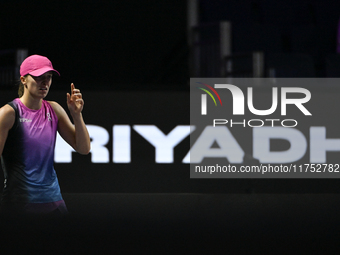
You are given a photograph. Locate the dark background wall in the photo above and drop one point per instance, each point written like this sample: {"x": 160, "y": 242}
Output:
{"x": 143, "y": 44}
{"x": 102, "y": 43}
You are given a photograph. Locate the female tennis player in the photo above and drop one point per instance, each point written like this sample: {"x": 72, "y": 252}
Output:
{"x": 28, "y": 128}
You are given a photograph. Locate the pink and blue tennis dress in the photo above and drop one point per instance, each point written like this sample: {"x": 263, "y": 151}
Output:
{"x": 27, "y": 160}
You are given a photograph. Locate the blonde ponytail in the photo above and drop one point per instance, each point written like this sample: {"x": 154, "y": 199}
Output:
{"x": 21, "y": 88}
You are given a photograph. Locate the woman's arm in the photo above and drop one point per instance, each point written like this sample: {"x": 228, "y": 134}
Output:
{"x": 7, "y": 119}
{"x": 75, "y": 135}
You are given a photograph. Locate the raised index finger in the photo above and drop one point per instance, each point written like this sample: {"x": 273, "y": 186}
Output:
{"x": 72, "y": 89}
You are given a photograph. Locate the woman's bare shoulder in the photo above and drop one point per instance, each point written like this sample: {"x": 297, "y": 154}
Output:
{"x": 58, "y": 109}
{"x": 7, "y": 110}
{"x": 7, "y": 116}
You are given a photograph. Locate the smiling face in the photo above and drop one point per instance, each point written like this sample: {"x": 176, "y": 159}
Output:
{"x": 37, "y": 86}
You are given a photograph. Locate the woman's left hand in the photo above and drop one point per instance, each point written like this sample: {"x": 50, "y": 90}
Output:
{"x": 75, "y": 102}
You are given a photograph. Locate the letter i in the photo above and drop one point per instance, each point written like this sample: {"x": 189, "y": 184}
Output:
{"x": 121, "y": 143}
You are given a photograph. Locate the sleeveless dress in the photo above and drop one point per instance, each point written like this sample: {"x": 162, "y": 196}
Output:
{"x": 28, "y": 157}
